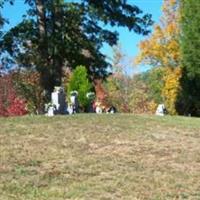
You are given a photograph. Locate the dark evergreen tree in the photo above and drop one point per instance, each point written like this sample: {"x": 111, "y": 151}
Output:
{"x": 3, "y": 21}
{"x": 189, "y": 100}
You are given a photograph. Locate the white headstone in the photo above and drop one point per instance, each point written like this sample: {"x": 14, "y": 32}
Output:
{"x": 74, "y": 101}
{"x": 55, "y": 99}
{"x": 98, "y": 110}
{"x": 160, "y": 111}
{"x": 50, "y": 112}
{"x": 70, "y": 109}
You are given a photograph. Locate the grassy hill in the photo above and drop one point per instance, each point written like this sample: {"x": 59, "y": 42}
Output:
{"x": 99, "y": 157}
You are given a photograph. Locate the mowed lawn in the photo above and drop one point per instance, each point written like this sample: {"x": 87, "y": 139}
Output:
{"x": 99, "y": 157}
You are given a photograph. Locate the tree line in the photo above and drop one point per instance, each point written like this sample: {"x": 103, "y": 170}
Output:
{"x": 173, "y": 49}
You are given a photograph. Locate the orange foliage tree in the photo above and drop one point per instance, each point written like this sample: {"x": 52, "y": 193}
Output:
{"x": 28, "y": 86}
{"x": 162, "y": 49}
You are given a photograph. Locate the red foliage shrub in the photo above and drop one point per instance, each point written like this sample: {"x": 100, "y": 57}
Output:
{"x": 17, "y": 107}
{"x": 10, "y": 103}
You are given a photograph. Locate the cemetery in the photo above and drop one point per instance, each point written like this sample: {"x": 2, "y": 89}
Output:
{"x": 59, "y": 106}
{"x": 99, "y": 100}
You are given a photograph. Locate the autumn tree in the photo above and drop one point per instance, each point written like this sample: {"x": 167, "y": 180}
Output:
{"x": 162, "y": 49}
{"x": 139, "y": 97}
{"x": 59, "y": 34}
{"x": 128, "y": 93}
{"x": 118, "y": 85}
{"x": 27, "y": 85}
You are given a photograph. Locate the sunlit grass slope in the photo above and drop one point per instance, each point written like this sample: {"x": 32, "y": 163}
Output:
{"x": 99, "y": 157}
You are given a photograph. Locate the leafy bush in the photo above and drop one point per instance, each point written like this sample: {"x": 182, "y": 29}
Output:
{"x": 79, "y": 82}
{"x": 133, "y": 94}
{"x": 118, "y": 90}
{"x": 10, "y": 103}
{"x": 139, "y": 102}
{"x": 28, "y": 85}
{"x": 17, "y": 107}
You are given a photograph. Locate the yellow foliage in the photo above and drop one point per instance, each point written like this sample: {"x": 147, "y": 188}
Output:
{"x": 171, "y": 88}
{"x": 162, "y": 49}
{"x": 152, "y": 105}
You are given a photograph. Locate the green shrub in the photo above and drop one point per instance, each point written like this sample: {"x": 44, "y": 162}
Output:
{"x": 79, "y": 81}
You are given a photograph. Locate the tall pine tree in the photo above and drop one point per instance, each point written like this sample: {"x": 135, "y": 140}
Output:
{"x": 58, "y": 34}
{"x": 190, "y": 55}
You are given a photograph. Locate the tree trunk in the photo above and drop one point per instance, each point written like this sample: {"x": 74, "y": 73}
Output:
{"x": 44, "y": 63}
{"x": 57, "y": 32}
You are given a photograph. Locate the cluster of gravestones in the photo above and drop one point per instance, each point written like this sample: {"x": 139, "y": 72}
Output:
{"x": 59, "y": 105}
{"x": 102, "y": 109}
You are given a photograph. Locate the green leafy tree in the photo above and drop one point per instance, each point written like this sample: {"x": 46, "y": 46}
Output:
{"x": 59, "y": 34}
{"x": 190, "y": 54}
{"x": 154, "y": 81}
{"x": 79, "y": 82}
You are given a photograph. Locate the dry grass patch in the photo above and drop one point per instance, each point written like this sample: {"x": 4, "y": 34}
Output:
{"x": 99, "y": 157}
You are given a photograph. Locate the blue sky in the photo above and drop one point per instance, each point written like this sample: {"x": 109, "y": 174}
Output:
{"x": 127, "y": 40}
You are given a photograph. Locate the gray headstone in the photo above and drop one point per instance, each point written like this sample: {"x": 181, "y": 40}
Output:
{"x": 58, "y": 99}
